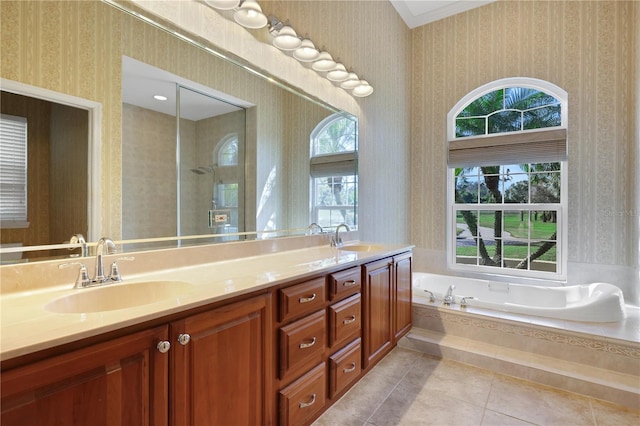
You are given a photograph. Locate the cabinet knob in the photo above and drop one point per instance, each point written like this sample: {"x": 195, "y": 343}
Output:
{"x": 308, "y": 345}
{"x": 183, "y": 339}
{"x": 307, "y": 404}
{"x": 163, "y": 346}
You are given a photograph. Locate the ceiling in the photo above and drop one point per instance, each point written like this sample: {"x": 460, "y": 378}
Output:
{"x": 420, "y": 12}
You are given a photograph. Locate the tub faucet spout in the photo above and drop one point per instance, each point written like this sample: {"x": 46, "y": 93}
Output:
{"x": 448, "y": 299}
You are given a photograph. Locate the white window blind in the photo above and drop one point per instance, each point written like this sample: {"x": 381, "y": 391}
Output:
{"x": 539, "y": 146}
{"x": 13, "y": 168}
{"x": 341, "y": 164}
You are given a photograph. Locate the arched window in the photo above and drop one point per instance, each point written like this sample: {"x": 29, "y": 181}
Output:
{"x": 334, "y": 173}
{"x": 506, "y": 197}
{"x": 228, "y": 152}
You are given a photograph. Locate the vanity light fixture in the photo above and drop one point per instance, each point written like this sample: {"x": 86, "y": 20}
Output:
{"x": 363, "y": 89}
{"x": 307, "y": 51}
{"x": 223, "y": 4}
{"x": 285, "y": 38}
{"x": 250, "y": 15}
{"x": 159, "y": 98}
{"x": 351, "y": 82}
{"x": 324, "y": 62}
{"x": 339, "y": 73}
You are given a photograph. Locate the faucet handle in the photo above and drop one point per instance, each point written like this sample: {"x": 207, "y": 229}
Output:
{"x": 115, "y": 270}
{"x": 463, "y": 301}
{"x": 83, "y": 279}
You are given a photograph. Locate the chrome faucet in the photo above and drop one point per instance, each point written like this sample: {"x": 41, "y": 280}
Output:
{"x": 84, "y": 248}
{"x": 313, "y": 227}
{"x": 448, "y": 299}
{"x": 99, "y": 276}
{"x": 336, "y": 241}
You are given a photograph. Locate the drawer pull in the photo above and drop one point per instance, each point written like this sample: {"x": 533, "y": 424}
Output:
{"x": 349, "y": 283}
{"x": 307, "y": 299}
{"x": 310, "y": 403}
{"x": 350, "y": 369}
{"x": 308, "y": 345}
{"x": 349, "y": 320}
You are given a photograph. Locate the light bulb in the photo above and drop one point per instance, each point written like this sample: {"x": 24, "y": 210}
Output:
{"x": 324, "y": 62}
{"x": 286, "y": 39}
{"x": 351, "y": 82}
{"x": 250, "y": 15}
{"x": 339, "y": 73}
{"x": 307, "y": 51}
{"x": 222, "y": 4}
{"x": 363, "y": 89}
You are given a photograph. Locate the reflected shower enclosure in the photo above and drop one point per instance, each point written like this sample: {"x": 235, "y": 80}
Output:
{"x": 193, "y": 158}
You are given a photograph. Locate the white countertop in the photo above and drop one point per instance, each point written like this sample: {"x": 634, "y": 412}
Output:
{"x": 27, "y": 326}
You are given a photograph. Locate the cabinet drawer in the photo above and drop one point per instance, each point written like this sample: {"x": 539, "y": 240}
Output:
{"x": 345, "y": 320}
{"x": 344, "y": 366}
{"x": 344, "y": 283}
{"x": 303, "y": 398}
{"x": 302, "y": 298}
{"x": 303, "y": 342}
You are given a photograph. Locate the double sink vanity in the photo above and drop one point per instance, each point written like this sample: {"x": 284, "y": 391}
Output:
{"x": 256, "y": 332}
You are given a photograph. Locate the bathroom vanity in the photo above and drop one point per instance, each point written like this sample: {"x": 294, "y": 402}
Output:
{"x": 267, "y": 339}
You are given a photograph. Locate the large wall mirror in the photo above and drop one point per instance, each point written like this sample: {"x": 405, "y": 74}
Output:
{"x": 227, "y": 153}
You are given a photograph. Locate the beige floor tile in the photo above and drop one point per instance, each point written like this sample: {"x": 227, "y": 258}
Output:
{"x": 357, "y": 405}
{"x": 425, "y": 408}
{"x": 491, "y": 418}
{"x": 607, "y": 414}
{"x": 538, "y": 404}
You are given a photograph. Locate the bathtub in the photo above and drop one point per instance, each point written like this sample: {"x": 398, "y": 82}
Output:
{"x": 597, "y": 302}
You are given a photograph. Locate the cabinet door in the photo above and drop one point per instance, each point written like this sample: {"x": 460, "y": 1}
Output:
{"x": 119, "y": 382}
{"x": 378, "y": 300}
{"x": 403, "y": 295}
{"x": 221, "y": 375}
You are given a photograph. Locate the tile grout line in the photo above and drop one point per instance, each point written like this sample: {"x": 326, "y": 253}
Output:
{"x": 390, "y": 392}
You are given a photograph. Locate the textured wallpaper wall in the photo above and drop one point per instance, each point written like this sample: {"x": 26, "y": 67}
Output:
{"x": 585, "y": 47}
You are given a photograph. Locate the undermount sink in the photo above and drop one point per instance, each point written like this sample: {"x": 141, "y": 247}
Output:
{"x": 110, "y": 297}
{"x": 362, "y": 247}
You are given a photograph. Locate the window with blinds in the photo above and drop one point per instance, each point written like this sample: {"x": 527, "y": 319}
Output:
{"x": 506, "y": 180}
{"x": 13, "y": 171}
{"x": 333, "y": 172}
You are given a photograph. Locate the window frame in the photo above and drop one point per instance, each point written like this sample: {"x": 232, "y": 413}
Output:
{"x": 329, "y": 165}
{"x": 20, "y": 200}
{"x": 562, "y": 207}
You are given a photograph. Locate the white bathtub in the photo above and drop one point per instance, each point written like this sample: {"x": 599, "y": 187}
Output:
{"x": 597, "y": 302}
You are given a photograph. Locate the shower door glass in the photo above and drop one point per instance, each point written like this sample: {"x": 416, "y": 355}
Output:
{"x": 211, "y": 147}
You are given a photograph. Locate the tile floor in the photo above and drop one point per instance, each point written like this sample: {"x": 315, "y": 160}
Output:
{"x": 411, "y": 388}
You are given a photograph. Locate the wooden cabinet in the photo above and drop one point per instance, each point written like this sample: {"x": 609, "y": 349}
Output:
{"x": 403, "y": 291}
{"x": 279, "y": 355}
{"x": 387, "y": 305}
{"x": 120, "y": 382}
{"x": 302, "y": 343}
{"x": 378, "y": 299}
{"x": 221, "y": 375}
{"x": 302, "y": 399}
{"x": 218, "y": 368}
{"x": 345, "y": 367}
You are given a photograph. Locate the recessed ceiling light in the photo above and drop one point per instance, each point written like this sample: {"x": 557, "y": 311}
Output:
{"x": 160, "y": 97}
